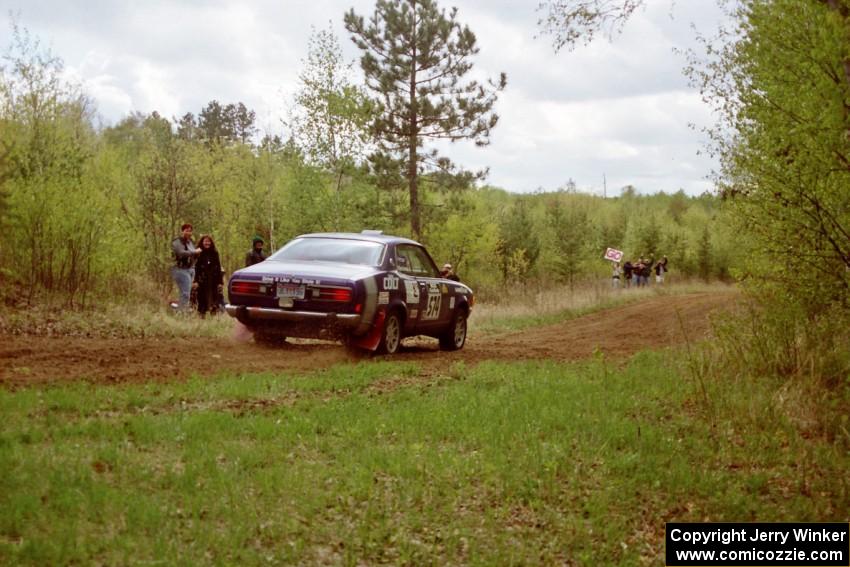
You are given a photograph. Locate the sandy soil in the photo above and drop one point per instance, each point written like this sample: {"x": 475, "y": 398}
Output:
{"x": 618, "y": 332}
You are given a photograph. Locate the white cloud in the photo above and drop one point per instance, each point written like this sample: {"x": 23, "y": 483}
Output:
{"x": 618, "y": 108}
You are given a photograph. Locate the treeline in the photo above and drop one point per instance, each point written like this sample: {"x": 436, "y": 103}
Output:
{"x": 89, "y": 212}
{"x": 778, "y": 78}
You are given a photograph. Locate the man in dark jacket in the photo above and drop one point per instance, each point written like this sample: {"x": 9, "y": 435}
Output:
{"x": 646, "y": 271}
{"x": 256, "y": 254}
{"x": 183, "y": 270}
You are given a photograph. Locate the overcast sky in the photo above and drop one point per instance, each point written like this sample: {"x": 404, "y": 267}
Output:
{"x": 618, "y": 109}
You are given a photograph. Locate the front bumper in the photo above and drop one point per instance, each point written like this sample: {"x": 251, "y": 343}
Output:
{"x": 245, "y": 313}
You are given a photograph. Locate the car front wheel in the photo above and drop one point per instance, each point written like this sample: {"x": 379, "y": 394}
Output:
{"x": 455, "y": 336}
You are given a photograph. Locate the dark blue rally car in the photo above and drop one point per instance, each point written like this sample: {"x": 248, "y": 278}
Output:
{"x": 368, "y": 290}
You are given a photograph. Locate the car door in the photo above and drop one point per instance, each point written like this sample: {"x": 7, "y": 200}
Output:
{"x": 432, "y": 293}
{"x": 409, "y": 287}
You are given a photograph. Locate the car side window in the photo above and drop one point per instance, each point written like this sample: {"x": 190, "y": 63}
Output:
{"x": 402, "y": 262}
{"x": 414, "y": 261}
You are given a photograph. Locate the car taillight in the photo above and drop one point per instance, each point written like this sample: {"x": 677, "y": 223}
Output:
{"x": 471, "y": 301}
{"x": 245, "y": 287}
{"x": 332, "y": 294}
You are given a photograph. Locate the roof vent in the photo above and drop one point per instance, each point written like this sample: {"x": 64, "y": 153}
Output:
{"x": 372, "y": 232}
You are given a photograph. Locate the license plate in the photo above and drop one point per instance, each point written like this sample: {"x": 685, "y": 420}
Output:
{"x": 290, "y": 291}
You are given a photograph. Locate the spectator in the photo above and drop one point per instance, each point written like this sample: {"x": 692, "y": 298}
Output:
{"x": 183, "y": 270}
{"x": 646, "y": 271}
{"x": 208, "y": 277}
{"x": 627, "y": 273}
{"x": 448, "y": 273}
{"x": 256, "y": 254}
{"x": 637, "y": 269}
{"x": 660, "y": 270}
{"x": 615, "y": 276}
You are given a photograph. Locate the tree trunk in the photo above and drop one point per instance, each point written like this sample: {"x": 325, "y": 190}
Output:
{"x": 413, "y": 141}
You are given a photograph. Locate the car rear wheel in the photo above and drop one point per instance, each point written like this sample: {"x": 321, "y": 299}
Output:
{"x": 390, "y": 335}
{"x": 455, "y": 336}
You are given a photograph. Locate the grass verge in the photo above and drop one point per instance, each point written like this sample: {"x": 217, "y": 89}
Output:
{"x": 111, "y": 321}
{"x": 524, "y": 463}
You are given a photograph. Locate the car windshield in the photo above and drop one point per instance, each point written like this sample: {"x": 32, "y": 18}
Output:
{"x": 360, "y": 252}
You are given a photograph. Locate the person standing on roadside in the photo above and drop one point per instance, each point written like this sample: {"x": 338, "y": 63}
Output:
{"x": 615, "y": 276}
{"x": 646, "y": 271}
{"x": 660, "y": 270}
{"x": 208, "y": 276}
{"x": 637, "y": 270}
{"x": 627, "y": 273}
{"x": 256, "y": 254}
{"x": 183, "y": 270}
{"x": 448, "y": 273}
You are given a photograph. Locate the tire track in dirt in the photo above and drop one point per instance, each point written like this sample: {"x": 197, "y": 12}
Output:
{"x": 618, "y": 332}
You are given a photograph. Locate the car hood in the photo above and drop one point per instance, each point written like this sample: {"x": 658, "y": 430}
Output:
{"x": 307, "y": 269}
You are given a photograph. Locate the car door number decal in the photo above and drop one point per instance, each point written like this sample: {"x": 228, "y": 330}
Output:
{"x": 433, "y": 309}
{"x": 412, "y": 292}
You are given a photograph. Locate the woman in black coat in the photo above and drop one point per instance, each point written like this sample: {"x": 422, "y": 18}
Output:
{"x": 208, "y": 276}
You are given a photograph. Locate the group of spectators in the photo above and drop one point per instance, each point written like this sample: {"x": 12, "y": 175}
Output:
{"x": 198, "y": 274}
{"x": 639, "y": 272}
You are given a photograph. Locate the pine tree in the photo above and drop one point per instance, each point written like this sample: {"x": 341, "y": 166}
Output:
{"x": 415, "y": 58}
{"x": 518, "y": 246}
{"x": 219, "y": 124}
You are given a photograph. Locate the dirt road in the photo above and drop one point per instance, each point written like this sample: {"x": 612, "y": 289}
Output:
{"x": 617, "y": 332}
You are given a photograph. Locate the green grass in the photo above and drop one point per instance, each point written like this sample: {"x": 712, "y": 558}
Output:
{"x": 532, "y": 463}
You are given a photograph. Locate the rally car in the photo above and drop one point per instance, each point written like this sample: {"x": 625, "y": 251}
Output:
{"x": 368, "y": 290}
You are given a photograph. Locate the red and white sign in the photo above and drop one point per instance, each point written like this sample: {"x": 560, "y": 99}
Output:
{"x": 613, "y": 255}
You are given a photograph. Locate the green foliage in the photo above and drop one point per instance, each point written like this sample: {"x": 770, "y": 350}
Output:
{"x": 168, "y": 190}
{"x": 6, "y": 170}
{"x": 416, "y": 59}
{"x": 518, "y": 246}
{"x": 782, "y": 88}
{"x": 48, "y": 143}
{"x": 704, "y": 254}
{"x": 467, "y": 240}
{"x": 329, "y": 121}
{"x": 570, "y": 233}
{"x": 329, "y": 125}
{"x": 217, "y": 124}
{"x": 779, "y": 79}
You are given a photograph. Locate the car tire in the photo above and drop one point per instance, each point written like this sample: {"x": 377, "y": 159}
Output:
{"x": 390, "y": 334}
{"x": 455, "y": 336}
{"x": 269, "y": 337}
